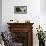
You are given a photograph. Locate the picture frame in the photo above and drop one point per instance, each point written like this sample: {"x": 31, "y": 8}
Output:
{"x": 20, "y": 9}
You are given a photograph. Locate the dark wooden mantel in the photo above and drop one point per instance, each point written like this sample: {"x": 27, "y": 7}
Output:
{"x": 23, "y": 27}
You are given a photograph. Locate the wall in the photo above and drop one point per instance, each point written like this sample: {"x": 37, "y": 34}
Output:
{"x": 33, "y": 10}
{"x": 34, "y": 14}
{"x": 43, "y": 6}
{"x": 0, "y": 15}
{"x": 43, "y": 14}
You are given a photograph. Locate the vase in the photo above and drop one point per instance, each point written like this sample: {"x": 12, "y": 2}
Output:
{"x": 41, "y": 43}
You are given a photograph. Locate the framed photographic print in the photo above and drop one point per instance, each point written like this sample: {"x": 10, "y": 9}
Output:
{"x": 20, "y": 9}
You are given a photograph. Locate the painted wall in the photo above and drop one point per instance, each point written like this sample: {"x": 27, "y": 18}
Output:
{"x": 43, "y": 14}
{"x": 0, "y": 15}
{"x": 34, "y": 14}
{"x": 33, "y": 11}
{"x": 43, "y": 6}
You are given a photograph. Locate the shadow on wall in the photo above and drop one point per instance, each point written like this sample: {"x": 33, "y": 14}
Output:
{"x": 0, "y": 15}
{"x": 43, "y": 6}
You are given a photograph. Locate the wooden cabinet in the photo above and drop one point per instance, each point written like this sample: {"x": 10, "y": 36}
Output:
{"x": 22, "y": 33}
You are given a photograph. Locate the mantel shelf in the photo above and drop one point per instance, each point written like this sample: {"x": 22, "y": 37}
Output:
{"x": 19, "y": 29}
